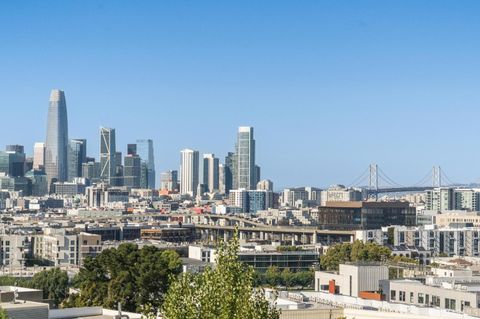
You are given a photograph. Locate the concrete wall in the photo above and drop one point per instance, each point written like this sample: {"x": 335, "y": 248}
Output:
{"x": 312, "y": 314}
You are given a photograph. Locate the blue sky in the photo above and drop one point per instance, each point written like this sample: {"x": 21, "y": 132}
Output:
{"x": 330, "y": 86}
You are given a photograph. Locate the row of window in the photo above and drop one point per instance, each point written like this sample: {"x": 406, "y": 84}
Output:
{"x": 424, "y": 299}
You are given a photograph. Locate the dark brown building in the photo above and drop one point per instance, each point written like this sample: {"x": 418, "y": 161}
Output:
{"x": 365, "y": 215}
{"x": 170, "y": 234}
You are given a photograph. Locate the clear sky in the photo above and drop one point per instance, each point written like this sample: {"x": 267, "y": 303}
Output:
{"x": 330, "y": 86}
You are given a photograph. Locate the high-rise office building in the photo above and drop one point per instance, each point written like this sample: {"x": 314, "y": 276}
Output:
{"x": 107, "y": 155}
{"x": 56, "y": 158}
{"x": 12, "y": 164}
{"x": 230, "y": 172}
{"x": 221, "y": 178}
{"x": 91, "y": 171}
{"x": 39, "y": 156}
{"x": 245, "y": 157}
{"x": 210, "y": 173}
{"x": 169, "y": 181}
{"x": 131, "y": 149}
{"x": 15, "y": 148}
{"x": 146, "y": 152}
{"x": 132, "y": 171}
{"x": 118, "y": 178}
{"x": 189, "y": 161}
{"x": 77, "y": 155}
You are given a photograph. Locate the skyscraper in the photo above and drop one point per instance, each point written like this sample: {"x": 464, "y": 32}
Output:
{"x": 189, "y": 161}
{"x": 107, "y": 155}
{"x": 230, "y": 172}
{"x": 210, "y": 172}
{"x": 39, "y": 156}
{"x": 169, "y": 181}
{"x": 146, "y": 153}
{"x": 132, "y": 171}
{"x": 56, "y": 157}
{"x": 245, "y": 156}
{"x": 77, "y": 155}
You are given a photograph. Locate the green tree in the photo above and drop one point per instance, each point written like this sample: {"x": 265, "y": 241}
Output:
{"x": 273, "y": 276}
{"x": 53, "y": 283}
{"x": 3, "y": 314}
{"x": 225, "y": 292}
{"x": 129, "y": 275}
{"x": 353, "y": 252}
{"x": 288, "y": 278}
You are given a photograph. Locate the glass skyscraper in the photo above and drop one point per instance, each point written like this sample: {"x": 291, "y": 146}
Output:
{"x": 56, "y": 158}
{"x": 146, "y": 153}
{"x": 245, "y": 157}
{"x": 77, "y": 155}
{"x": 107, "y": 155}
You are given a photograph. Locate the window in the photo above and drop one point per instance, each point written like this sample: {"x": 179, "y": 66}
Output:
{"x": 421, "y": 298}
{"x": 401, "y": 295}
{"x": 427, "y": 299}
{"x": 393, "y": 295}
{"x": 450, "y": 304}
{"x": 411, "y": 297}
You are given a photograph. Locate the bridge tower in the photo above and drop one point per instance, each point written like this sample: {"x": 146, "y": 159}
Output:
{"x": 437, "y": 176}
{"x": 373, "y": 180}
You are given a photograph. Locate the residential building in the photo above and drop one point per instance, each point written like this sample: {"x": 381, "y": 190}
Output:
{"x": 265, "y": 185}
{"x": 440, "y": 199}
{"x": 210, "y": 173}
{"x": 169, "y": 181}
{"x": 189, "y": 165}
{"x": 245, "y": 157}
{"x": 301, "y": 197}
{"x": 251, "y": 201}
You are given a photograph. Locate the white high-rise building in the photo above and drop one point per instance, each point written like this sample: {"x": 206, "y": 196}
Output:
{"x": 245, "y": 156}
{"x": 210, "y": 173}
{"x": 265, "y": 185}
{"x": 39, "y": 156}
{"x": 189, "y": 162}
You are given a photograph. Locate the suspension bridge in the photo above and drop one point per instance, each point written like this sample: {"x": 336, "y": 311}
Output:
{"x": 375, "y": 181}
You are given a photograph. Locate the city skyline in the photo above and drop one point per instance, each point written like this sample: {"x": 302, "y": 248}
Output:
{"x": 329, "y": 88}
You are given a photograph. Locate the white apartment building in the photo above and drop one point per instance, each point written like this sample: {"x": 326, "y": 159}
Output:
{"x": 448, "y": 198}
{"x": 297, "y": 197}
{"x": 452, "y": 241}
{"x": 62, "y": 247}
